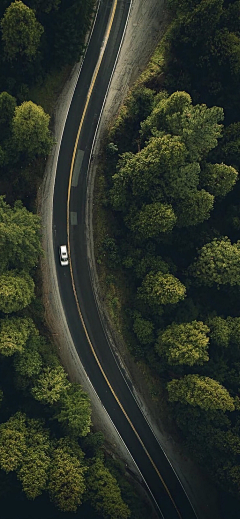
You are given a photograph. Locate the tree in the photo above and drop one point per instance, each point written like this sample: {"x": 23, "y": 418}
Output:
{"x": 181, "y": 181}
{"x": 31, "y": 132}
{"x": 153, "y": 219}
{"x": 24, "y": 448}
{"x": 143, "y": 328}
{"x": 150, "y": 262}
{"x": 29, "y": 362}
{"x": 104, "y": 492}
{"x": 21, "y": 32}
{"x": 219, "y": 179}
{"x": 69, "y": 40}
{"x": 93, "y": 444}
{"x": 20, "y": 245}
{"x": 200, "y": 391}
{"x": 226, "y": 48}
{"x": 167, "y": 111}
{"x": 219, "y": 331}
{"x": 123, "y": 134}
{"x": 229, "y": 145}
{"x": 45, "y": 6}
{"x": 50, "y": 385}
{"x": 185, "y": 343}
{"x": 7, "y": 107}
{"x": 12, "y": 442}
{"x": 14, "y": 333}
{"x": 16, "y": 291}
{"x": 183, "y": 6}
{"x": 233, "y": 324}
{"x": 161, "y": 289}
{"x": 143, "y": 175}
{"x": 218, "y": 263}
{"x": 194, "y": 208}
{"x": 33, "y": 472}
{"x": 19, "y": 237}
{"x": 201, "y": 22}
{"x": 66, "y": 478}
{"x": 197, "y": 126}
{"x": 74, "y": 411}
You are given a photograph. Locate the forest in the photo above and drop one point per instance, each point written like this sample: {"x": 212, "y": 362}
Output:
{"x": 169, "y": 192}
{"x": 52, "y": 462}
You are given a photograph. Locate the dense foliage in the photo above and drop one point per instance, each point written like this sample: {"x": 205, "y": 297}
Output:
{"x": 172, "y": 200}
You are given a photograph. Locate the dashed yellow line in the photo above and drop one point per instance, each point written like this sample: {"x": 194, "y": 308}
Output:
{"x": 68, "y": 240}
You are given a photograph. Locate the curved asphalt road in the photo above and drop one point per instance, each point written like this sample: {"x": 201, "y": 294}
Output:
{"x": 177, "y": 506}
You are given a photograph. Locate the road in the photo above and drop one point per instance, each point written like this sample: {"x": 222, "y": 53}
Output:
{"x": 88, "y": 334}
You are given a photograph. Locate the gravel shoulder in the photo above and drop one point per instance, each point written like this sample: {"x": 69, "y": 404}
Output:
{"x": 146, "y": 23}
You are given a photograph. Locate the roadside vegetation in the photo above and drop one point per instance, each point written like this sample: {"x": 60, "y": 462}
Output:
{"x": 51, "y": 460}
{"x": 168, "y": 195}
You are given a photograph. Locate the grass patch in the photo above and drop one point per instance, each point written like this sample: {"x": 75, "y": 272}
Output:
{"x": 47, "y": 93}
{"x": 113, "y": 283}
{"x": 154, "y": 71}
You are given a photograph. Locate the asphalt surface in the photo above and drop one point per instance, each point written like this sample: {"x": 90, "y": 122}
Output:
{"x": 177, "y": 506}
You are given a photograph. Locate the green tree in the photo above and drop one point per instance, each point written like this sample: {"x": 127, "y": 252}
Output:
{"x": 12, "y": 442}
{"x": 163, "y": 111}
{"x": 161, "y": 289}
{"x": 7, "y": 107}
{"x": 93, "y": 444}
{"x": 182, "y": 181}
{"x": 66, "y": 479}
{"x": 137, "y": 106}
{"x": 31, "y": 132}
{"x": 234, "y": 328}
{"x": 200, "y": 391}
{"x": 202, "y": 21}
{"x": 143, "y": 175}
{"x": 226, "y": 48}
{"x": 29, "y": 362}
{"x": 150, "y": 263}
{"x": 24, "y": 448}
{"x": 69, "y": 40}
{"x": 45, "y": 6}
{"x": 185, "y": 343}
{"x": 50, "y": 385}
{"x": 219, "y": 179}
{"x": 194, "y": 208}
{"x": 20, "y": 245}
{"x": 218, "y": 263}
{"x": 33, "y": 472}
{"x": 16, "y": 291}
{"x": 229, "y": 146}
{"x": 74, "y": 411}
{"x": 219, "y": 331}
{"x": 14, "y": 333}
{"x": 183, "y": 6}
{"x": 198, "y": 126}
{"x": 143, "y": 328}
{"x": 153, "y": 219}
{"x": 21, "y": 32}
{"x": 104, "y": 492}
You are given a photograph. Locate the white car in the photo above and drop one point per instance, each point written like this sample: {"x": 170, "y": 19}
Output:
{"x": 63, "y": 254}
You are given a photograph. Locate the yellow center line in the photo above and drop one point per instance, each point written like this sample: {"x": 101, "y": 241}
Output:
{"x": 68, "y": 241}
